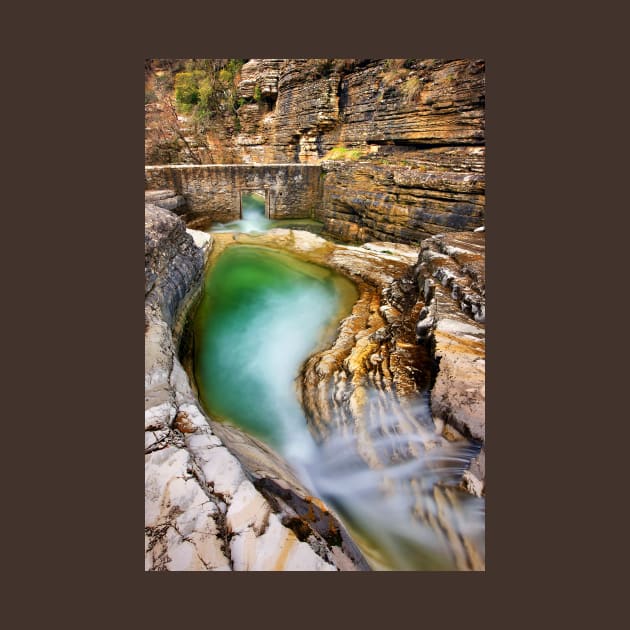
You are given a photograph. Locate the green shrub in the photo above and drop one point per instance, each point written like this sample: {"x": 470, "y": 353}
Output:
{"x": 187, "y": 88}
{"x": 207, "y": 87}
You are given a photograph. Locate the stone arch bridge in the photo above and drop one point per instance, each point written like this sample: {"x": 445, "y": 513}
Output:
{"x": 213, "y": 191}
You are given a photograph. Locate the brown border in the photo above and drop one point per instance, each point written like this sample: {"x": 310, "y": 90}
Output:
{"x": 80, "y": 383}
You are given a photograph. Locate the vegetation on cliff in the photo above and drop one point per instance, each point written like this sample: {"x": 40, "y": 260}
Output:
{"x": 207, "y": 88}
{"x": 344, "y": 153}
{"x": 296, "y": 110}
{"x": 185, "y": 100}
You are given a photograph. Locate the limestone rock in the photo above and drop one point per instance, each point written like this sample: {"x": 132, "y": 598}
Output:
{"x": 261, "y": 73}
{"x": 172, "y": 262}
{"x": 166, "y": 199}
{"x": 320, "y": 103}
{"x": 371, "y": 379}
{"x": 418, "y": 324}
{"x": 423, "y": 124}
{"x": 376, "y": 198}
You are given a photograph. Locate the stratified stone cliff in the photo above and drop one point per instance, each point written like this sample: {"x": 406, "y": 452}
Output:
{"x": 433, "y": 191}
{"x": 417, "y": 131}
{"x": 311, "y": 106}
{"x": 450, "y": 274}
{"x": 401, "y": 141}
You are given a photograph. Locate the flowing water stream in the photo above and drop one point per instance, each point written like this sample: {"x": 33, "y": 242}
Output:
{"x": 262, "y": 314}
{"x": 253, "y": 219}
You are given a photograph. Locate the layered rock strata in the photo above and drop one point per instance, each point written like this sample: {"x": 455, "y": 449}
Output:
{"x": 409, "y": 136}
{"x": 451, "y": 279}
{"x": 403, "y": 197}
{"x": 416, "y": 126}
{"x": 309, "y": 106}
{"x": 204, "y": 510}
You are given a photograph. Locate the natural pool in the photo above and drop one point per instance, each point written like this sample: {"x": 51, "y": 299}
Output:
{"x": 263, "y": 313}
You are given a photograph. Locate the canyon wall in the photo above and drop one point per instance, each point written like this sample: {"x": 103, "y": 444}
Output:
{"x": 307, "y": 108}
{"x": 213, "y": 192}
{"x": 437, "y": 190}
{"x": 401, "y": 142}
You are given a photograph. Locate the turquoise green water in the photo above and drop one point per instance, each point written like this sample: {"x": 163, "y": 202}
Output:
{"x": 263, "y": 313}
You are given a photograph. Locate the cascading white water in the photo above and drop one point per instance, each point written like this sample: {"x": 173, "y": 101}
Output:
{"x": 406, "y": 510}
{"x": 253, "y": 217}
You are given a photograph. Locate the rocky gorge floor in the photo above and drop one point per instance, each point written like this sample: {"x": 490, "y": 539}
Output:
{"x": 408, "y": 362}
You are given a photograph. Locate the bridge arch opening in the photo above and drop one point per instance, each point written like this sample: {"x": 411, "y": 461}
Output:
{"x": 254, "y": 205}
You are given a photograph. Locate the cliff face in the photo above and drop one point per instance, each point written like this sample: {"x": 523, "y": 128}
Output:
{"x": 401, "y": 141}
{"x": 404, "y": 196}
{"x": 306, "y": 108}
{"x": 417, "y": 130}
{"x": 450, "y": 275}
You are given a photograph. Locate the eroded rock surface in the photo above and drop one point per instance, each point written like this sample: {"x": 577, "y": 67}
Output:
{"x": 418, "y": 325}
{"x": 166, "y": 199}
{"x": 451, "y": 277}
{"x": 404, "y": 196}
{"x": 203, "y": 509}
{"x": 309, "y": 106}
